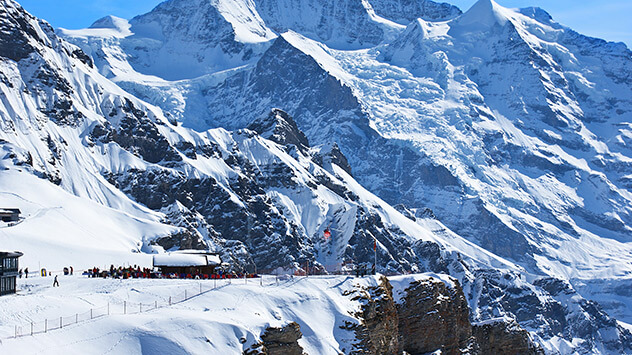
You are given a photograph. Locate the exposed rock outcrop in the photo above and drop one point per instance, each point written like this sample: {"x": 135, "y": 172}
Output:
{"x": 281, "y": 128}
{"x": 433, "y": 316}
{"x": 504, "y": 337}
{"x": 279, "y": 341}
{"x": 377, "y": 332}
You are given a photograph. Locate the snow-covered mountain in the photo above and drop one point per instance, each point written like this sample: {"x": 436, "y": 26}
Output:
{"x": 488, "y": 145}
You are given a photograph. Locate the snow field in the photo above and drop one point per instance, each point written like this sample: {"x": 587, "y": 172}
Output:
{"x": 224, "y": 319}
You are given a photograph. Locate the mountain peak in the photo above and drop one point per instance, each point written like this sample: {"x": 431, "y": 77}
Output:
{"x": 280, "y": 128}
{"x": 482, "y": 15}
{"x": 112, "y": 22}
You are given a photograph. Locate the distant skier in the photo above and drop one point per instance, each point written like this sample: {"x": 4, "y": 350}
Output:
{"x": 26, "y": 273}
{"x": 20, "y": 273}
{"x": 55, "y": 282}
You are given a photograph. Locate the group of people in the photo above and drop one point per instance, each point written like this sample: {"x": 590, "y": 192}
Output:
{"x": 202, "y": 276}
{"x": 121, "y": 272}
{"x": 136, "y": 272}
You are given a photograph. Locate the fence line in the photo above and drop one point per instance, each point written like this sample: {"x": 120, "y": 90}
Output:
{"x": 126, "y": 307}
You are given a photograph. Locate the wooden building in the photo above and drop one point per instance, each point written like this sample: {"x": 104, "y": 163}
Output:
{"x": 8, "y": 272}
{"x": 188, "y": 262}
{"x": 9, "y": 214}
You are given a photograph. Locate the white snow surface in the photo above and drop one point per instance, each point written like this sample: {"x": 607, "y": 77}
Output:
{"x": 224, "y": 319}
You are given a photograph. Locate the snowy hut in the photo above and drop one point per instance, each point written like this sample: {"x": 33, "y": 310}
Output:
{"x": 191, "y": 262}
{"x": 8, "y": 271}
{"x": 9, "y": 214}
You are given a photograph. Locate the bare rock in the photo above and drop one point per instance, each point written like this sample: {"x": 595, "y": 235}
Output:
{"x": 504, "y": 338}
{"x": 279, "y": 341}
{"x": 434, "y": 316}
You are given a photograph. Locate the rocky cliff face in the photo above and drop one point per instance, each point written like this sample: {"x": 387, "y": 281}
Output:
{"x": 428, "y": 315}
{"x": 433, "y": 316}
{"x": 504, "y": 337}
{"x": 406, "y": 11}
{"x": 377, "y": 330}
{"x": 279, "y": 341}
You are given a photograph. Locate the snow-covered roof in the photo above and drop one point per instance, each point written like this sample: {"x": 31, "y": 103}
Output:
{"x": 185, "y": 259}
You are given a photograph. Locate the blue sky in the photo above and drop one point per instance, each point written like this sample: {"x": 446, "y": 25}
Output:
{"x": 607, "y": 19}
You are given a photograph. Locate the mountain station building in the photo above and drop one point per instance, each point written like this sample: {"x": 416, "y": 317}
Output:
{"x": 8, "y": 272}
{"x": 191, "y": 262}
{"x": 9, "y": 214}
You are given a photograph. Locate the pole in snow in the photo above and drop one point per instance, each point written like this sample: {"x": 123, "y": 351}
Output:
{"x": 374, "y": 255}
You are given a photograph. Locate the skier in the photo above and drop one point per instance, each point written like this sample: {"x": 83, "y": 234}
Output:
{"x": 55, "y": 282}
{"x": 20, "y": 273}
{"x": 26, "y": 273}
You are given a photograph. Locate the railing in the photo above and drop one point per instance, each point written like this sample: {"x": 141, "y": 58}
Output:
{"x": 126, "y": 307}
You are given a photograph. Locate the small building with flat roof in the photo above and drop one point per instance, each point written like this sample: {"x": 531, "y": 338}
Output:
{"x": 9, "y": 214}
{"x": 187, "y": 262}
{"x": 8, "y": 271}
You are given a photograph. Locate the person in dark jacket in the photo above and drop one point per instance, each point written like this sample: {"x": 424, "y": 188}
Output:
{"x": 26, "y": 273}
{"x": 55, "y": 282}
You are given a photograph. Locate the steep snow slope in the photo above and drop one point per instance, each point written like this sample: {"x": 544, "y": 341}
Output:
{"x": 540, "y": 169}
{"x": 258, "y": 202}
{"x": 60, "y": 229}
